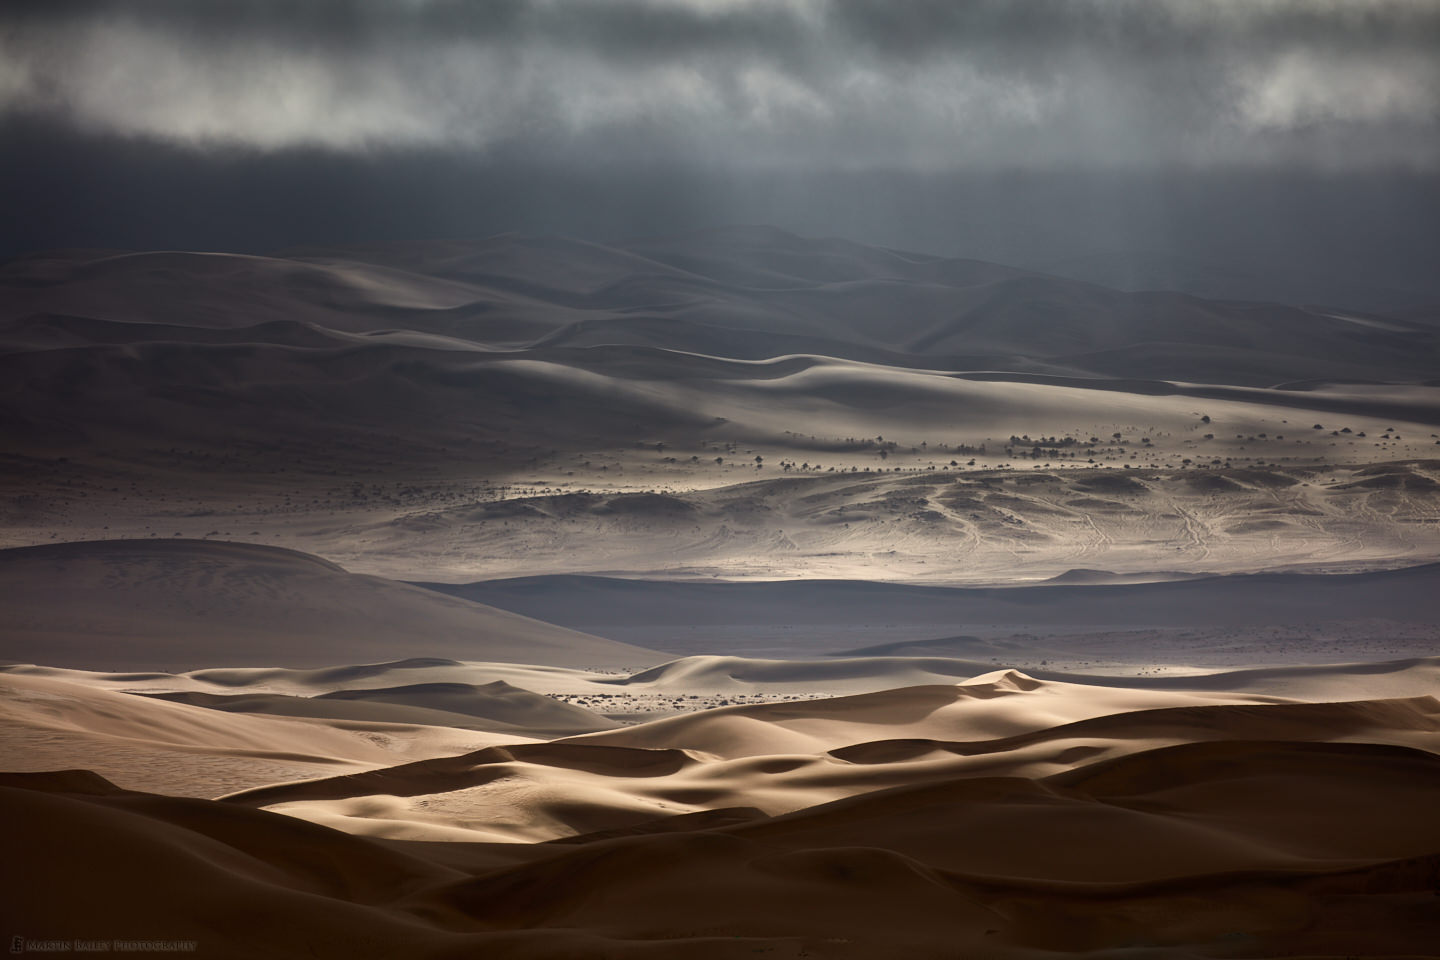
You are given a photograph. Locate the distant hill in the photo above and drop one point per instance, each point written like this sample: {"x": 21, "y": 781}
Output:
{"x": 115, "y": 348}
{"x": 515, "y": 404}
{"x": 138, "y": 604}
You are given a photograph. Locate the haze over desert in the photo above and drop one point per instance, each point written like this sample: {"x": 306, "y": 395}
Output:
{"x": 710, "y": 479}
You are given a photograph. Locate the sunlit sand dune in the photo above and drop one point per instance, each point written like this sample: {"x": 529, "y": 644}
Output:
{"x": 1194, "y": 824}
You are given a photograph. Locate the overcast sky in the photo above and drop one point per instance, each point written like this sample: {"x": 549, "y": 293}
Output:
{"x": 925, "y": 84}
{"x": 709, "y": 97}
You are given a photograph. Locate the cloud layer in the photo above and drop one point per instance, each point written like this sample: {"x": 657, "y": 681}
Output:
{"x": 893, "y": 84}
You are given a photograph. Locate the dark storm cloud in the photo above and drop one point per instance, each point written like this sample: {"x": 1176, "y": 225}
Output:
{"x": 753, "y": 84}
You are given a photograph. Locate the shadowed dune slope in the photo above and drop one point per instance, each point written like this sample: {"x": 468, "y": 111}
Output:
{"x": 174, "y": 605}
{"x": 495, "y": 706}
{"x": 1237, "y": 599}
{"x": 240, "y": 882}
{"x": 183, "y": 749}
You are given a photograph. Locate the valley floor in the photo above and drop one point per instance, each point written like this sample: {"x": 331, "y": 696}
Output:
{"x": 916, "y": 524}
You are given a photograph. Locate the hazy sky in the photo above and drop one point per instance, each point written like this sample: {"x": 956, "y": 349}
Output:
{"x": 557, "y": 114}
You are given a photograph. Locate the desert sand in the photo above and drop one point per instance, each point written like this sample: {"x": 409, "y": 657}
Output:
{"x": 1003, "y": 814}
{"x": 714, "y": 596}
{"x": 739, "y": 403}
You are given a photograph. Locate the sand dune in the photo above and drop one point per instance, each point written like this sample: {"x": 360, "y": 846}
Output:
{"x": 276, "y": 704}
{"x": 188, "y": 750}
{"x": 689, "y": 683}
{"x": 1194, "y": 828}
{"x": 1003, "y": 615}
{"x": 1338, "y": 681}
{"x": 302, "y": 889}
{"x": 497, "y": 707}
{"x": 841, "y": 296}
{"x": 497, "y": 700}
{"x": 782, "y": 757}
{"x": 174, "y": 605}
{"x": 489, "y": 408}
{"x": 993, "y": 704}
